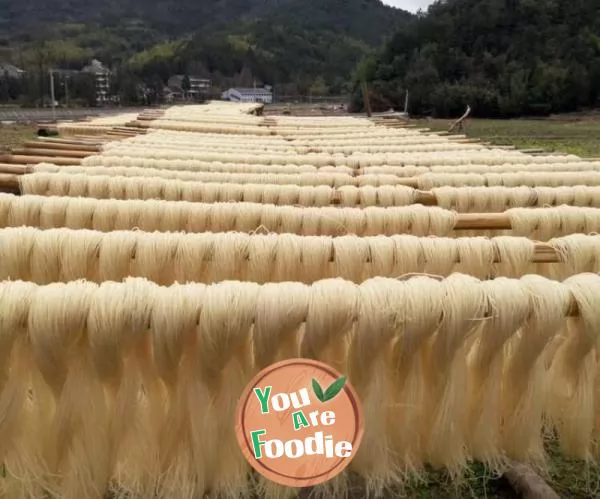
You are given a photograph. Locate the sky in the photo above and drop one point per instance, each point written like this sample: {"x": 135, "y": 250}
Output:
{"x": 410, "y": 5}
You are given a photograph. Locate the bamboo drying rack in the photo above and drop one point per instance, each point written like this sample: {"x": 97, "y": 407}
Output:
{"x": 72, "y": 151}
{"x": 465, "y": 221}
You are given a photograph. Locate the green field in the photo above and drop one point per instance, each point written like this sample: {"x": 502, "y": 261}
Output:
{"x": 578, "y": 135}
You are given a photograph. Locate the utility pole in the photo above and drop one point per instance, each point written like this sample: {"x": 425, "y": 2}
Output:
{"x": 366, "y": 98}
{"x": 67, "y": 91}
{"x": 52, "y": 94}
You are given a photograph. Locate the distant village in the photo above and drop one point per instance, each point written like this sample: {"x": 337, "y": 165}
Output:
{"x": 178, "y": 89}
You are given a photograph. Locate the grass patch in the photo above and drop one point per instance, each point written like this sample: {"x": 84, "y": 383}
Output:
{"x": 15, "y": 135}
{"x": 572, "y": 478}
{"x": 477, "y": 483}
{"x": 580, "y": 136}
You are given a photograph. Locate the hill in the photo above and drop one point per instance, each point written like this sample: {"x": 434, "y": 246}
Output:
{"x": 503, "y": 57}
{"x": 168, "y": 17}
{"x": 280, "y": 41}
{"x": 299, "y": 42}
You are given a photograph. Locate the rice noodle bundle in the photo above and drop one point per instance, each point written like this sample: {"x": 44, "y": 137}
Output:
{"x": 139, "y": 351}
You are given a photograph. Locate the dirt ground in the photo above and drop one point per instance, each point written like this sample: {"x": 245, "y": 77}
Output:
{"x": 15, "y": 135}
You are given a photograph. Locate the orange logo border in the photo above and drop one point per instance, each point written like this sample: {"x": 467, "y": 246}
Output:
{"x": 273, "y": 475}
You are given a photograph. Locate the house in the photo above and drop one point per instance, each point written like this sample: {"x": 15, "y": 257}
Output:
{"x": 264, "y": 95}
{"x": 172, "y": 94}
{"x": 198, "y": 87}
{"x": 11, "y": 71}
{"x": 142, "y": 91}
{"x": 101, "y": 78}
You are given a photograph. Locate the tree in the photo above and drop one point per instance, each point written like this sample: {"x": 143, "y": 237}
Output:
{"x": 125, "y": 84}
{"x": 84, "y": 88}
{"x": 319, "y": 87}
{"x": 16, "y": 87}
{"x": 42, "y": 58}
{"x": 186, "y": 85}
{"x": 4, "y": 88}
{"x": 198, "y": 69}
{"x": 246, "y": 79}
{"x": 462, "y": 52}
{"x": 156, "y": 87}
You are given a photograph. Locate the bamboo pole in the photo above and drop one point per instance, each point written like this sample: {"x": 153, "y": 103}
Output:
{"x": 16, "y": 159}
{"x": 543, "y": 252}
{"x": 15, "y": 171}
{"x": 150, "y": 115}
{"x": 465, "y": 221}
{"x": 96, "y": 138}
{"x": 116, "y": 135}
{"x": 137, "y": 124}
{"x": 51, "y": 153}
{"x": 35, "y": 145}
{"x": 66, "y": 142}
{"x": 127, "y": 128}
{"x": 483, "y": 221}
{"x": 8, "y": 182}
{"x": 393, "y": 122}
{"x": 30, "y": 156}
{"x": 18, "y": 165}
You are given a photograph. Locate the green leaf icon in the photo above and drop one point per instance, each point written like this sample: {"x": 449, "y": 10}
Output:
{"x": 318, "y": 390}
{"x": 335, "y": 388}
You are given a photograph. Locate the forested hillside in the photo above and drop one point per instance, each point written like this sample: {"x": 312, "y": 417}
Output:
{"x": 503, "y": 57}
{"x": 297, "y": 42}
{"x": 302, "y": 42}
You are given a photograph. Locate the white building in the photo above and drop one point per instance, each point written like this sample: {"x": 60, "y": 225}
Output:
{"x": 248, "y": 95}
{"x": 102, "y": 80}
{"x": 199, "y": 87}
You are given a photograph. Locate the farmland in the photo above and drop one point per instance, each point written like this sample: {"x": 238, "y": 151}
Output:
{"x": 578, "y": 135}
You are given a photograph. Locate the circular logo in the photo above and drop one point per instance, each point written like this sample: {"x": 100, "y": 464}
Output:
{"x": 299, "y": 423}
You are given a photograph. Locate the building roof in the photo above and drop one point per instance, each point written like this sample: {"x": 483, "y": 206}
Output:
{"x": 13, "y": 71}
{"x": 191, "y": 78}
{"x": 65, "y": 72}
{"x": 252, "y": 91}
{"x": 95, "y": 67}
